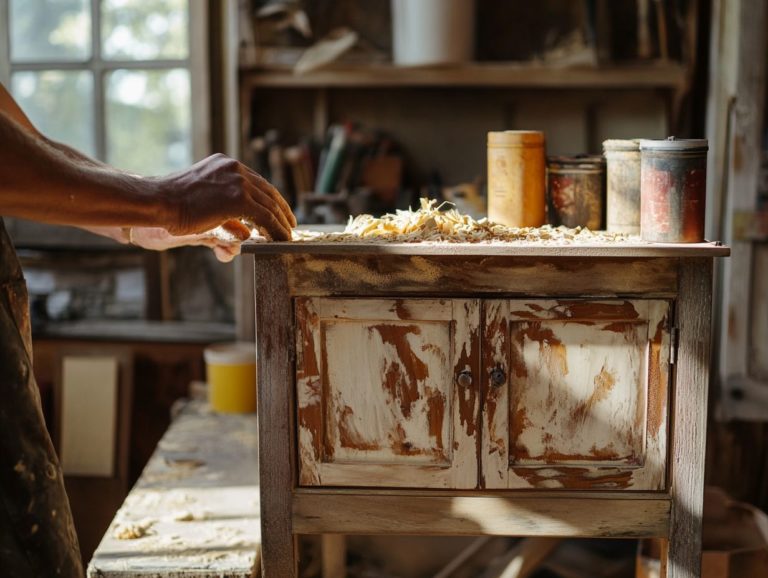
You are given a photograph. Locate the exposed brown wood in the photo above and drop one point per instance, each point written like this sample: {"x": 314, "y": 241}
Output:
{"x": 447, "y": 275}
{"x": 689, "y": 402}
{"x": 495, "y": 410}
{"x": 450, "y": 515}
{"x": 634, "y": 250}
{"x": 588, "y": 393}
{"x": 378, "y": 399}
{"x": 275, "y": 352}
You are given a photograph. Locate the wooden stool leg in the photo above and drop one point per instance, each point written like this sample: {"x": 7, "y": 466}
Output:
{"x": 689, "y": 423}
{"x": 334, "y": 556}
{"x": 275, "y": 350}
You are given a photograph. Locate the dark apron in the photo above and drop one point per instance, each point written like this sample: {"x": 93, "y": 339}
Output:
{"x": 37, "y": 536}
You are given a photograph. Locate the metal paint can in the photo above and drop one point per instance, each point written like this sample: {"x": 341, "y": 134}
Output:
{"x": 576, "y": 191}
{"x": 673, "y": 182}
{"x": 622, "y": 197}
{"x": 516, "y": 183}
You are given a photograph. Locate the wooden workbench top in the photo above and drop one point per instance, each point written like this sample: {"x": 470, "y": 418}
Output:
{"x": 197, "y": 502}
{"x": 631, "y": 249}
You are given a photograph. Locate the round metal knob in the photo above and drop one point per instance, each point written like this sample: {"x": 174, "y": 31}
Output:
{"x": 498, "y": 377}
{"x": 464, "y": 378}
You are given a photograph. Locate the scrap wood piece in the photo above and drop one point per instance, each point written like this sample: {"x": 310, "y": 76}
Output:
{"x": 523, "y": 558}
{"x": 326, "y": 50}
{"x": 466, "y": 556}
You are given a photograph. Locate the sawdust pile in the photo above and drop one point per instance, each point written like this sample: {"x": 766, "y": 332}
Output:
{"x": 436, "y": 224}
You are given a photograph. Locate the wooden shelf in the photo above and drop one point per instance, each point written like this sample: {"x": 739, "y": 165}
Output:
{"x": 657, "y": 75}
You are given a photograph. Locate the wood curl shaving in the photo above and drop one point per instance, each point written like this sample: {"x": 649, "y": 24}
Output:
{"x": 436, "y": 224}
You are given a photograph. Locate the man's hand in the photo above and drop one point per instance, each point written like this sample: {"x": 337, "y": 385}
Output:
{"x": 219, "y": 189}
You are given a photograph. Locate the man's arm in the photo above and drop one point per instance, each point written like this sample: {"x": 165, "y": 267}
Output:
{"x": 42, "y": 181}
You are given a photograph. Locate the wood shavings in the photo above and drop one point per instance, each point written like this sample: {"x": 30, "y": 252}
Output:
{"x": 432, "y": 224}
{"x": 133, "y": 530}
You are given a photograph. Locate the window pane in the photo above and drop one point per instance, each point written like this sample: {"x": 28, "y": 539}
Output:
{"x": 144, "y": 29}
{"x": 59, "y": 103}
{"x": 148, "y": 117}
{"x": 50, "y": 30}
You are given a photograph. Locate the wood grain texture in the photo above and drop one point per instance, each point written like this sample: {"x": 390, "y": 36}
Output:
{"x": 689, "y": 401}
{"x": 275, "y": 362}
{"x": 205, "y": 520}
{"x": 366, "y": 275}
{"x": 378, "y": 400}
{"x": 363, "y": 513}
{"x": 637, "y": 250}
{"x": 333, "y": 549}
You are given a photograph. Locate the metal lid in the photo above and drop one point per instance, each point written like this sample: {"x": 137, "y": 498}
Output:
{"x": 673, "y": 144}
{"x": 615, "y": 144}
{"x": 577, "y": 162}
{"x": 516, "y": 138}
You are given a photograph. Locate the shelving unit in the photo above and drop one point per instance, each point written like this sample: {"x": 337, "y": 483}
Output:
{"x": 516, "y": 75}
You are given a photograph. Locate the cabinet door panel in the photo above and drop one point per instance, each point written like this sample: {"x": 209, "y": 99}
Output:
{"x": 378, "y": 400}
{"x": 585, "y": 404}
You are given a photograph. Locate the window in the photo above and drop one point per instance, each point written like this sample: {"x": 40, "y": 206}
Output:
{"x": 113, "y": 78}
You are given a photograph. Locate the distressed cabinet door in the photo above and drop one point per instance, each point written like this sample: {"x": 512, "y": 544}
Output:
{"x": 387, "y": 392}
{"x": 576, "y": 394}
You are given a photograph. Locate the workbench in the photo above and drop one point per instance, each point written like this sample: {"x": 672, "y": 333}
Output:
{"x": 196, "y": 504}
{"x": 524, "y": 389}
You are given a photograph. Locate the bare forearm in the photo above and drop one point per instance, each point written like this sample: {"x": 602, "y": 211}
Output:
{"x": 43, "y": 183}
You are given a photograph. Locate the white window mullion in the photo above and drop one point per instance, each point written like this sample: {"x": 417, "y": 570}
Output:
{"x": 99, "y": 124}
{"x": 5, "y": 44}
{"x": 199, "y": 70}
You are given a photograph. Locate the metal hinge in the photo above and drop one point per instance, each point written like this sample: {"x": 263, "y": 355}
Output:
{"x": 674, "y": 340}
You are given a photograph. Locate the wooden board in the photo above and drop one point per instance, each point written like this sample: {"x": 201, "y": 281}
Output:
{"x": 466, "y": 515}
{"x": 199, "y": 501}
{"x": 504, "y": 74}
{"x": 522, "y": 249}
{"x": 428, "y": 275}
{"x": 275, "y": 351}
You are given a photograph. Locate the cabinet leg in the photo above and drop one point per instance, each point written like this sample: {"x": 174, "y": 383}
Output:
{"x": 279, "y": 555}
{"x": 689, "y": 422}
{"x": 334, "y": 556}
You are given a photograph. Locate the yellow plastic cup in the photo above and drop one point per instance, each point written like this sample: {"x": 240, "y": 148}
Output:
{"x": 231, "y": 373}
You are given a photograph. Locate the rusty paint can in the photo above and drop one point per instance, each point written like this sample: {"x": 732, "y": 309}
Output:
{"x": 516, "y": 184}
{"x": 576, "y": 191}
{"x": 673, "y": 182}
{"x": 622, "y": 198}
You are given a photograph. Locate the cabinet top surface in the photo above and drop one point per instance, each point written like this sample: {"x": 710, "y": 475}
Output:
{"x": 517, "y": 249}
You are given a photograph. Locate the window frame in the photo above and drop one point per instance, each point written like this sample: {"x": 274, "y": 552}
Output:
{"x": 196, "y": 62}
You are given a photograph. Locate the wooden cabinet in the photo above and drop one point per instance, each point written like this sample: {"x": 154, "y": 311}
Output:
{"x": 522, "y": 390}
{"x": 569, "y": 394}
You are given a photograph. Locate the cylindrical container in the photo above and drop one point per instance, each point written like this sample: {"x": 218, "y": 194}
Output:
{"x": 576, "y": 191}
{"x": 673, "y": 182}
{"x": 231, "y": 373}
{"x": 622, "y": 186}
{"x": 433, "y": 31}
{"x": 516, "y": 179}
